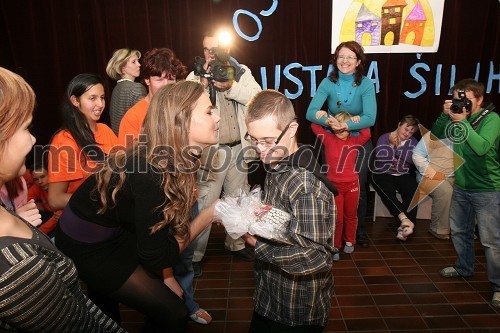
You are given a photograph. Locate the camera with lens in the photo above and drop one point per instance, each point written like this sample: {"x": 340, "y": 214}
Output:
{"x": 457, "y": 104}
{"x": 219, "y": 71}
{"x": 219, "y": 68}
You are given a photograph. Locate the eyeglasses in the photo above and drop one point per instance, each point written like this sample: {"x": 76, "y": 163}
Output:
{"x": 349, "y": 58}
{"x": 267, "y": 142}
{"x": 211, "y": 51}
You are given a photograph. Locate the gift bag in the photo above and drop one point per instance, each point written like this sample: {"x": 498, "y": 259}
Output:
{"x": 245, "y": 213}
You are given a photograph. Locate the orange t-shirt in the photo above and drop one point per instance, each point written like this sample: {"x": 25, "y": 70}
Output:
{"x": 68, "y": 163}
{"x": 131, "y": 123}
{"x": 42, "y": 197}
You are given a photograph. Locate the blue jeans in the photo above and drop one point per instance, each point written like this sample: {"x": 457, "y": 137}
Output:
{"x": 184, "y": 274}
{"x": 485, "y": 207}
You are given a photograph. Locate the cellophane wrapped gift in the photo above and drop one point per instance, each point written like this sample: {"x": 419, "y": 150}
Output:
{"x": 245, "y": 213}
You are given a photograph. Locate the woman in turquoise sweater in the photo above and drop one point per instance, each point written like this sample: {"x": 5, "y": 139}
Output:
{"x": 347, "y": 89}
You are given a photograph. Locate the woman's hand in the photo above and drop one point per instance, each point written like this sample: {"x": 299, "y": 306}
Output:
{"x": 30, "y": 213}
{"x": 332, "y": 122}
{"x": 355, "y": 119}
{"x": 320, "y": 114}
{"x": 335, "y": 125}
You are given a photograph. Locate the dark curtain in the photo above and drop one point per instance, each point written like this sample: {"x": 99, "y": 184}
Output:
{"x": 50, "y": 41}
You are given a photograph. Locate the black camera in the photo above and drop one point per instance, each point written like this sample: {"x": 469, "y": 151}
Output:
{"x": 219, "y": 69}
{"x": 457, "y": 104}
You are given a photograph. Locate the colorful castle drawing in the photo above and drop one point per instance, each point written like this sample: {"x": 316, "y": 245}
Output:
{"x": 413, "y": 28}
{"x": 367, "y": 27}
{"x": 389, "y": 28}
{"x": 392, "y": 12}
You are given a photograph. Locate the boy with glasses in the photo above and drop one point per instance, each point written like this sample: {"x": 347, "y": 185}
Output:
{"x": 293, "y": 282}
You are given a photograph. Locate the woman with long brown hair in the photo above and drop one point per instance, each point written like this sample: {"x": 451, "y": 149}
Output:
{"x": 126, "y": 225}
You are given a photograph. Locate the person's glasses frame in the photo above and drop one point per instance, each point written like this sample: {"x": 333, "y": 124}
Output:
{"x": 210, "y": 51}
{"x": 254, "y": 142}
{"x": 349, "y": 58}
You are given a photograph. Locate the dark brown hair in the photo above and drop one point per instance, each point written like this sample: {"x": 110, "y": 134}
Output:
{"x": 360, "y": 55}
{"x": 163, "y": 60}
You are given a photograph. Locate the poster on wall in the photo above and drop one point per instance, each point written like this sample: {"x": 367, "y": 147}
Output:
{"x": 388, "y": 26}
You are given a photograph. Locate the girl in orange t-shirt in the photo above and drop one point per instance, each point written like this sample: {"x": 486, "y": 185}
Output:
{"x": 80, "y": 146}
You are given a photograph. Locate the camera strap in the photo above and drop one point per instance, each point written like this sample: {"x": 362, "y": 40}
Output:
{"x": 483, "y": 114}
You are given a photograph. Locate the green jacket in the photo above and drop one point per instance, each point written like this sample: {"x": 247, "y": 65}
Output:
{"x": 480, "y": 171}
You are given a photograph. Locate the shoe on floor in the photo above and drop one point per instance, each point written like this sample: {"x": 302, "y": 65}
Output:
{"x": 201, "y": 317}
{"x": 244, "y": 254}
{"x": 362, "y": 240}
{"x": 495, "y": 301}
{"x": 449, "y": 272}
{"x": 197, "y": 269}
{"x": 348, "y": 248}
{"x": 439, "y": 236}
{"x": 336, "y": 256}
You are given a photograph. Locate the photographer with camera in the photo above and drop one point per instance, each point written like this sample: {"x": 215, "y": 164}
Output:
{"x": 231, "y": 86}
{"x": 475, "y": 133}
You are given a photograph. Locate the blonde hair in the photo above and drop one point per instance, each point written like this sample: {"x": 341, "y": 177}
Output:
{"x": 271, "y": 103}
{"x": 17, "y": 101}
{"x": 166, "y": 128}
{"x": 343, "y": 116}
{"x": 118, "y": 61}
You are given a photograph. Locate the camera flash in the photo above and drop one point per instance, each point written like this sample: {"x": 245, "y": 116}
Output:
{"x": 225, "y": 38}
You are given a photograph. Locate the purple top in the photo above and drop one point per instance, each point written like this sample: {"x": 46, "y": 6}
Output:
{"x": 394, "y": 161}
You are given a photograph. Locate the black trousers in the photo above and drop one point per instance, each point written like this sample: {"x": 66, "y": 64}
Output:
{"x": 386, "y": 186}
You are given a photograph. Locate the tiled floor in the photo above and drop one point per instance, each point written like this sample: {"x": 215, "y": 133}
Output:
{"x": 389, "y": 287}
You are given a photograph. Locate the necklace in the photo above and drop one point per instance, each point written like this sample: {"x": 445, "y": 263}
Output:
{"x": 343, "y": 95}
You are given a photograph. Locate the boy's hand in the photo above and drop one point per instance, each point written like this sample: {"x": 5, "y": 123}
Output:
{"x": 458, "y": 116}
{"x": 446, "y": 106}
{"x": 249, "y": 239}
{"x": 30, "y": 213}
{"x": 355, "y": 119}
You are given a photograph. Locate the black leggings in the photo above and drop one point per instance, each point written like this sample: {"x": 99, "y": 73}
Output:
{"x": 146, "y": 293}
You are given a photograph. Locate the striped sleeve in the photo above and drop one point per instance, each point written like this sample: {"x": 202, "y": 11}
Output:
{"x": 42, "y": 295}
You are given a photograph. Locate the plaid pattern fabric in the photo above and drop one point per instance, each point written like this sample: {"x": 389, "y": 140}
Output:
{"x": 294, "y": 283}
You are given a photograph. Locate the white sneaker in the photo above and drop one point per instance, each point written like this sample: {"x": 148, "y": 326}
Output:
{"x": 495, "y": 301}
{"x": 201, "y": 317}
